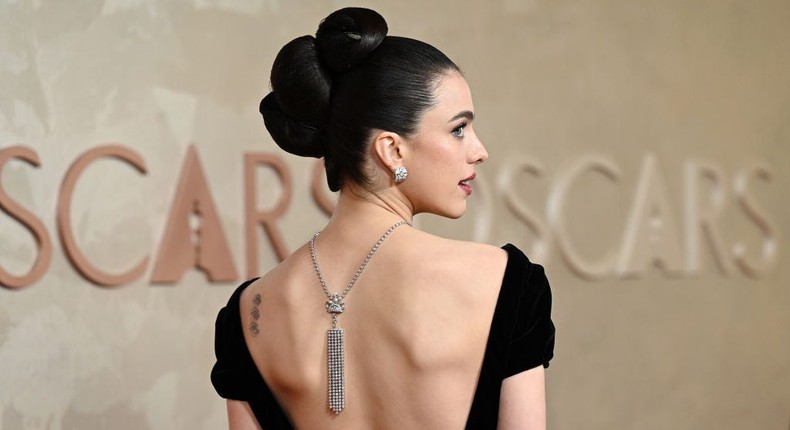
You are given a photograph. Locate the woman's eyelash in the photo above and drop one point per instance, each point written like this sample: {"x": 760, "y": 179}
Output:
{"x": 459, "y": 131}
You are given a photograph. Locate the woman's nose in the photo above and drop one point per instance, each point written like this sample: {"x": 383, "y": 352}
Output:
{"x": 479, "y": 153}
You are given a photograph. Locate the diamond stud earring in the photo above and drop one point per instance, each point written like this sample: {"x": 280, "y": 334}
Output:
{"x": 400, "y": 174}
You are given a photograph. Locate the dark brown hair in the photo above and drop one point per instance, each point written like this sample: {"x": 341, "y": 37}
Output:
{"x": 329, "y": 92}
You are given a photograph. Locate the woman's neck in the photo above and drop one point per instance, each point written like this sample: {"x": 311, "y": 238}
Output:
{"x": 358, "y": 208}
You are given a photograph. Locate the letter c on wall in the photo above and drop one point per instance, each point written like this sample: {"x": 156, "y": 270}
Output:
{"x": 556, "y": 208}
{"x": 74, "y": 254}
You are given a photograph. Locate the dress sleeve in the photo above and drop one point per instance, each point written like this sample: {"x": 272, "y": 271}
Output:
{"x": 234, "y": 372}
{"x": 532, "y": 338}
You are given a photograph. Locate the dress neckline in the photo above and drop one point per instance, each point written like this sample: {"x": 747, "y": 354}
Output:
{"x": 235, "y": 304}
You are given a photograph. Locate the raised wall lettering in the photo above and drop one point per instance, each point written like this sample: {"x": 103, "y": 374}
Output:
{"x": 651, "y": 233}
{"x": 205, "y": 248}
{"x": 541, "y": 249}
{"x": 555, "y": 209}
{"x": 253, "y": 218}
{"x": 63, "y": 216}
{"x": 770, "y": 240}
{"x": 28, "y": 220}
{"x": 193, "y": 234}
{"x": 702, "y": 219}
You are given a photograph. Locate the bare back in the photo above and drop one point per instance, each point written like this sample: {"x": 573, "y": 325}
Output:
{"x": 416, "y": 327}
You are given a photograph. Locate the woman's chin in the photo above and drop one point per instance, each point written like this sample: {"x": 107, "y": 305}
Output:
{"x": 456, "y": 212}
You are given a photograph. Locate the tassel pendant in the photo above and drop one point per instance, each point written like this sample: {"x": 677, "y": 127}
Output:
{"x": 336, "y": 367}
{"x": 335, "y": 347}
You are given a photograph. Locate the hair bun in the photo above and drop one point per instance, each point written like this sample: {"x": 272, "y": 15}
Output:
{"x": 296, "y": 109}
{"x": 348, "y": 36}
{"x": 293, "y": 136}
{"x": 299, "y": 82}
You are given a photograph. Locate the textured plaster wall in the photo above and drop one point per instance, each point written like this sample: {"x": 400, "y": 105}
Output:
{"x": 640, "y": 86}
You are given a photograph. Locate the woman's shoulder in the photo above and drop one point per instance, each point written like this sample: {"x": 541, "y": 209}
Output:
{"x": 279, "y": 280}
{"x": 470, "y": 261}
{"x": 466, "y": 248}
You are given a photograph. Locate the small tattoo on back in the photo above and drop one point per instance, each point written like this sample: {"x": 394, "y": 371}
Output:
{"x": 256, "y": 314}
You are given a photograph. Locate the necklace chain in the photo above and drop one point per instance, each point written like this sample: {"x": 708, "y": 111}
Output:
{"x": 361, "y": 266}
{"x": 335, "y": 339}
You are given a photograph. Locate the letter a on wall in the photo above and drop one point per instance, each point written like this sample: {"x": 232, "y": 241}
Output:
{"x": 651, "y": 234}
{"x": 193, "y": 235}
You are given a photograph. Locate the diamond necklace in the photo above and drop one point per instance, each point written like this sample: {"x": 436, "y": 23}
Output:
{"x": 334, "y": 336}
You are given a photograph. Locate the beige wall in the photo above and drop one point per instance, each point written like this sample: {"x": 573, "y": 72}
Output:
{"x": 638, "y": 149}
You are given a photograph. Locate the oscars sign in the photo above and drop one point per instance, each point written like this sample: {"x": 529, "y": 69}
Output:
{"x": 650, "y": 236}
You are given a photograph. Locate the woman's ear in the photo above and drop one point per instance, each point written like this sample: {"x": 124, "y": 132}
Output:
{"x": 389, "y": 149}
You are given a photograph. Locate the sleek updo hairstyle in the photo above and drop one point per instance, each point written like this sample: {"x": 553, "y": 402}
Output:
{"x": 329, "y": 92}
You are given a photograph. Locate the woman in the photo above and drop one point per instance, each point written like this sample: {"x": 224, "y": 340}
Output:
{"x": 425, "y": 333}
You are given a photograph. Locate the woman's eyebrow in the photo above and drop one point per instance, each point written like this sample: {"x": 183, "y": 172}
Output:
{"x": 465, "y": 114}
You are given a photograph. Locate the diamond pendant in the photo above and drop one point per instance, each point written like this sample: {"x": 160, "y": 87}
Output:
{"x": 334, "y": 336}
{"x": 335, "y": 305}
{"x": 336, "y": 367}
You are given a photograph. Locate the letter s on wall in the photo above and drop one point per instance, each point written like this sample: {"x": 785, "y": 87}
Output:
{"x": 28, "y": 220}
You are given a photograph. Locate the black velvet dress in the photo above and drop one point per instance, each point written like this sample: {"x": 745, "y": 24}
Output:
{"x": 521, "y": 337}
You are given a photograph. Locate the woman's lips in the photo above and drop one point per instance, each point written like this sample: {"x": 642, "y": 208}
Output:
{"x": 465, "y": 186}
